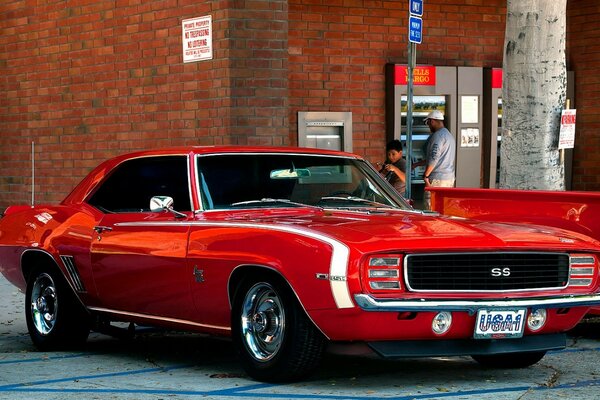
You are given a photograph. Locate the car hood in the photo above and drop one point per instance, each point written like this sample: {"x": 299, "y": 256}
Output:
{"x": 403, "y": 230}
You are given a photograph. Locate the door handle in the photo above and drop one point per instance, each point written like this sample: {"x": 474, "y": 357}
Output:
{"x": 99, "y": 229}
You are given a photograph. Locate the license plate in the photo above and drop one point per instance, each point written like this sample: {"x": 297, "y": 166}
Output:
{"x": 499, "y": 324}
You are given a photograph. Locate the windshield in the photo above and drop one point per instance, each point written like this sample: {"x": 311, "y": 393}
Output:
{"x": 234, "y": 181}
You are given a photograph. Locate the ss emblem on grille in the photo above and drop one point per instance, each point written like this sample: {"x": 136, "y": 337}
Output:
{"x": 500, "y": 272}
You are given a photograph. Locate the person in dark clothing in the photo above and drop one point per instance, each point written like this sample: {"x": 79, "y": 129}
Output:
{"x": 394, "y": 168}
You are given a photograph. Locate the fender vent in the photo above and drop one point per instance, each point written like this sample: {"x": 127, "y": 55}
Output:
{"x": 69, "y": 264}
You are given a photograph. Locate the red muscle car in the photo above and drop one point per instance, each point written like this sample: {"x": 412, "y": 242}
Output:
{"x": 287, "y": 250}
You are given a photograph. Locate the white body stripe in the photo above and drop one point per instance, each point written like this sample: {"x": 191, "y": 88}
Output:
{"x": 338, "y": 267}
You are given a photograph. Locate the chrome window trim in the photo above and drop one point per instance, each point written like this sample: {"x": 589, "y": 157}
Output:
{"x": 409, "y": 288}
{"x": 93, "y": 190}
{"x": 386, "y": 189}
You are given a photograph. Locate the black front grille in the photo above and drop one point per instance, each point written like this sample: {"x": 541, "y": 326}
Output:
{"x": 487, "y": 271}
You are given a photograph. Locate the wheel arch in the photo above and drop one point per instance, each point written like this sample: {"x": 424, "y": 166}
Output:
{"x": 242, "y": 272}
{"x": 32, "y": 258}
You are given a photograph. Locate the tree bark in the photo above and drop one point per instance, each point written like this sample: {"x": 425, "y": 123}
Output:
{"x": 533, "y": 94}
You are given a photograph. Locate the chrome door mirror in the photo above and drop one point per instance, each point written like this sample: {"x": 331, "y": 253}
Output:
{"x": 161, "y": 203}
{"x": 164, "y": 203}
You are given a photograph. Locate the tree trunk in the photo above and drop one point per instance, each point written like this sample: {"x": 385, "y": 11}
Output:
{"x": 533, "y": 94}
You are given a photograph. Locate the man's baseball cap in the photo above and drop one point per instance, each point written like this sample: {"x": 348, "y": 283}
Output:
{"x": 435, "y": 114}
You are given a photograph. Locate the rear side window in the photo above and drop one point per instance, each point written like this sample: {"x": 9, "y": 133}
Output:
{"x": 132, "y": 184}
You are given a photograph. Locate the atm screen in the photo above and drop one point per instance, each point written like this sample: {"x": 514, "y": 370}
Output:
{"x": 422, "y": 105}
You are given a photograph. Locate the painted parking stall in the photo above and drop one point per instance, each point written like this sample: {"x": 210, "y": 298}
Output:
{"x": 177, "y": 365}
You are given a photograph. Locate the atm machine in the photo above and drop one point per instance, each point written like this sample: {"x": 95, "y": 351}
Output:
{"x": 325, "y": 130}
{"x": 457, "y": 92}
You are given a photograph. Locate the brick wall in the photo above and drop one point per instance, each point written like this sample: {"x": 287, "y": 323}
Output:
{"x": 583, "y": 52}
{"x": 338, "y": 50}
{"x": 89, "y": 79}
{"x": 86, "y": 80}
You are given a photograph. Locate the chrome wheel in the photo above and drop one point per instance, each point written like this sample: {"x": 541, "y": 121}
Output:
{"x": 43, "y": 305}
{"x": 262, "y": 321}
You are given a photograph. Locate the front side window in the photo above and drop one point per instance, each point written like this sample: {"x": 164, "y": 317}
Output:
{"x": 264, "y": 180}
{"x": 133, "y": 183}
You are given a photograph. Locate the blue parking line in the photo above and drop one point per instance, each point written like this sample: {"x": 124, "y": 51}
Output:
{"x": 243, "y": 392}
{"x": 43, "y": 359}
{"x": 571, "y": 350}
{"x": 255, "y": 390}
{"x": 15, "y": 386}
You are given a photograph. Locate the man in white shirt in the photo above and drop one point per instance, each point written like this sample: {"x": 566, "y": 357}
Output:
{"x": 440, "y": 155}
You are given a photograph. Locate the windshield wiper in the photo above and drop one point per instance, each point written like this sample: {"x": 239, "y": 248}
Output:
{"x": 267, "y": 200}
{"x": 355, "y": 199}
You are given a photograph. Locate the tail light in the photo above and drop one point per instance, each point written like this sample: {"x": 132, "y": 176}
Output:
{"x": 383, "y": 272}
{"x": 582, "y": 270}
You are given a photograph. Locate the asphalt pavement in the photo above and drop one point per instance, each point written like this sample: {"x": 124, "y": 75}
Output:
{"x": 172, "y": 365}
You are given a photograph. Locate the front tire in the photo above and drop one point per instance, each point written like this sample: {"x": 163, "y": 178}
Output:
{"x": 513, "y": 360}
{"x": 54, "y": 317}
{"x": 273, "y": 336}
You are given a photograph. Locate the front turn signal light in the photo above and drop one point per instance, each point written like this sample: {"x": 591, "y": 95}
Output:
{"x": 582, "y": 270}
{"x": 383, "y": 272}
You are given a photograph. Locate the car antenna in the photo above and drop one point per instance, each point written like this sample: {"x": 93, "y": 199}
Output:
{"x": 32, "y": 173}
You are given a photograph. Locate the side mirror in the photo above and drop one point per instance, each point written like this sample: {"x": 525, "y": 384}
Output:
{"x": 164, "y": 203}
{"x": 161, "y": 203}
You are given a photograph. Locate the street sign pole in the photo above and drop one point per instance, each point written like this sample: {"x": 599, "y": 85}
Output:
{"x": 415, "y": 35}
{"x": 409, "y": 102}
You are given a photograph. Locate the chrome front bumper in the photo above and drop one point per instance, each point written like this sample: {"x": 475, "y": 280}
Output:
{"x": 369, "y": 303}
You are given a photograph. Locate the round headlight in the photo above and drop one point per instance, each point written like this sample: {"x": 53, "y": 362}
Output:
{"x": 536, "y": 319}
{"x": 441, "y": 323}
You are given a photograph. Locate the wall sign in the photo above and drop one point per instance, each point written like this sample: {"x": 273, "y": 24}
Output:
{"x": 196, "y": 34}
{"x": 469, "y": 109}
{"x": 566, "y": 137}
{"x": 469, "y": 137}
{"x": 422, "y": 75}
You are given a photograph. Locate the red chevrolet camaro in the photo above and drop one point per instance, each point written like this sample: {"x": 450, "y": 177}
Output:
{"x": 287, "y": 250}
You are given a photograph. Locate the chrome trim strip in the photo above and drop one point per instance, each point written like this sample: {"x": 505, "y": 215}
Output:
{"x": 198, "y": 189}
{"x": 338, "y": 267}
{"x": 278, "y": 153}
{"x": 155, "y": 318}
{"x": 369, "y": 303}
{"x": 189, "y": 175}
{"x": 407, "y": 283}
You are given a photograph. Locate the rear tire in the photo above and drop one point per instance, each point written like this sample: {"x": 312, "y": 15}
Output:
{"x": 274, "y": 338}
{"x": 55, "y": 319}
{"x": 513, "y": 360}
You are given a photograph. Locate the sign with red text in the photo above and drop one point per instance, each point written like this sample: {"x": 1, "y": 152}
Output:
{"x": 566, "y": 137}
{"x": 422, "y": 75}
{"x": 196, "y": 34}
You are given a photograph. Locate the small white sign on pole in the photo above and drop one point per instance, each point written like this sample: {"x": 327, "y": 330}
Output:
{"x": 566, "y": 137}
{"x": 196, "y": 34}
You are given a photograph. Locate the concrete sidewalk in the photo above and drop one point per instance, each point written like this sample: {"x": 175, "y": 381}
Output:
{"x": 186, "y": 366}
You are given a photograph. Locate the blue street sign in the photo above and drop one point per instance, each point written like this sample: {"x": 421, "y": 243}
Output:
{"x": 415, "y": 30}
{"x": 416, "y": 7}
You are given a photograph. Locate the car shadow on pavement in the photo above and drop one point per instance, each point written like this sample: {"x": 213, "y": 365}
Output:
{"x": 588, "y": 328}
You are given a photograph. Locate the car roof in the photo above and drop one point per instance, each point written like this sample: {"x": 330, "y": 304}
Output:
{"x": 82, "y": 189}
{"x": 234, "y": 149}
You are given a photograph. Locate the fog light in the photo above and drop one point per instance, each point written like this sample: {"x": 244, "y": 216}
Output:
{"x": 441, "y": 323}
{"x": 536, "y": 319}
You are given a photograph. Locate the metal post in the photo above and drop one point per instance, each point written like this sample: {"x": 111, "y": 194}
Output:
{"x": 412, "y": 56}
{"x": 32, "y": 174}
